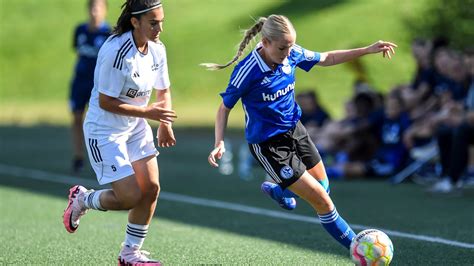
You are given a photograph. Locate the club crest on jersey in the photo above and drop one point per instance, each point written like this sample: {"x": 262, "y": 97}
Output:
{"x": 286, "y": 172}
{"x": 286, "y": 69}
{"x": 309, "y": 55}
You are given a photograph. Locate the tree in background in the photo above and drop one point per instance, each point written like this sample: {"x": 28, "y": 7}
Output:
{"x": 452, "y": 19}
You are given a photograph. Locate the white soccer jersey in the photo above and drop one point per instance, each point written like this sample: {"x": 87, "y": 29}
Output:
{"x": 124, "y": 73}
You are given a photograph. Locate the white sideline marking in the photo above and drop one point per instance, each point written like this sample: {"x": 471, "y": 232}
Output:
{"x": 70, "y": 180}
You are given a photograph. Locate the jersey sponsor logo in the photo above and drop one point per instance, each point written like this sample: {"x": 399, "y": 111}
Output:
{"x": 286, "y": 172}
{"x": 309, "y": 55}
{"x": 134, "y": 93}
{"x": 279, "y": 93}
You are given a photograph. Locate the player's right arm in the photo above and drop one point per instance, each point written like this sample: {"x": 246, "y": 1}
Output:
{"x": 221, "y": 124}
{"x": 153, "y": 111}
{"x": 237, "y": 87}
{"x": 111, "y": 80}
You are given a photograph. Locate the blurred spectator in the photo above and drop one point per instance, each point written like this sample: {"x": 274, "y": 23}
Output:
{"x": 88, "y": 38}
{"x": 455, "y": 138}
{"x": 444, "y": 104}
{"x": 390, "y": 155}
{"x": 313, "y": 115}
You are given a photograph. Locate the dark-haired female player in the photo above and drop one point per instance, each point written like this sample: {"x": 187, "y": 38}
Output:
{"x": 131, "y": 63}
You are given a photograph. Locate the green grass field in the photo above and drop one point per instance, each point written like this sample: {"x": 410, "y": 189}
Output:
{"x": 191, "y": 231}
{"x": 204, "y": 217}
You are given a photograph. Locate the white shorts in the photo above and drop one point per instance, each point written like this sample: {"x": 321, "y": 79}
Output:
{"x": 112, "y": 159}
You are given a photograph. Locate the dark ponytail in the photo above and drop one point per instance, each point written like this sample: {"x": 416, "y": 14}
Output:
{"x": 138, "y": 8}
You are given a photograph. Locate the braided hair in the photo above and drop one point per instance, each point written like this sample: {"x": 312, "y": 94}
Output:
{"x": 272, "y": 28}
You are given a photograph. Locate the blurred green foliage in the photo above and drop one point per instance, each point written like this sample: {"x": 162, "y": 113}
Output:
{"x": 451, "y": 19}
{"x": 37, "y": 59}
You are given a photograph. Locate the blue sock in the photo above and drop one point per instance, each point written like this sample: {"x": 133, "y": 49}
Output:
{"x": 337, "y": 228}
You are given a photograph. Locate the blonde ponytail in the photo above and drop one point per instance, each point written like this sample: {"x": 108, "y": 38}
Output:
{"x": 248, "y": 36}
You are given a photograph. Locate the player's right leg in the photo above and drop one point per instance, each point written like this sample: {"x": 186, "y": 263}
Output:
{"x": 124, "y": 195}
{"x": 285, "y": 200}
{"x": 75, "y": 208}
{"x": 111, "y": 165}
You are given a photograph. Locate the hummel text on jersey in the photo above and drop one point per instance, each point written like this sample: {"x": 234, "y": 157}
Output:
{"x": 279, "y": 93}
{"x": 154, "y": 67}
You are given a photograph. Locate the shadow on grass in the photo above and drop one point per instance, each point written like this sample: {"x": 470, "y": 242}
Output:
{"x": 183, "y": 170}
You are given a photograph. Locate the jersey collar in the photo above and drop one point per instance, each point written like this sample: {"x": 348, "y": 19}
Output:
{"x": 261, "y": 64}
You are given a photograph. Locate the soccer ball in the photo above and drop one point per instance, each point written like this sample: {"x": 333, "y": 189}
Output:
{"x": 371, "y": 247}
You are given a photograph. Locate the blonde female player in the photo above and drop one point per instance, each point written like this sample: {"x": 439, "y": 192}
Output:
{"x": 264, "y": 81}
{"x": 119, "y": 140}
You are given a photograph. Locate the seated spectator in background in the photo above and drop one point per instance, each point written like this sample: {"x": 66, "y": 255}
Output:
{"x": 313, "y": 116}
{"x": 390, "y": 154}
{"x": 445, "y": 103}
{"x": 423, "y": 82}
{"x": 455, "y": 137}
{"x": 350, "y": 137}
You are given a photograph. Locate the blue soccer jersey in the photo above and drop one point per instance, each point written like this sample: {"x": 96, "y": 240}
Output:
{"x": 87, "y": 45}
{"x": 267, "y": 96}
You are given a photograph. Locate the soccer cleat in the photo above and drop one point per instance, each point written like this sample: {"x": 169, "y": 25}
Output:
{"x": 274, "y": 191}
{"x": 75, "y": 208}
{"x": 133, "y": 256}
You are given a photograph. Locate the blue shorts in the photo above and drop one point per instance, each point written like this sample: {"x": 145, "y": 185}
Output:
{"x": 80, "y": 93}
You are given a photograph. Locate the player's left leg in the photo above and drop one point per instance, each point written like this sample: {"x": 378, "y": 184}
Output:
{"x": 313, "y": 192}
{"x": 139, "y": 217}
{"x": 142, "y": 152}
{"x": 318, "y": 172}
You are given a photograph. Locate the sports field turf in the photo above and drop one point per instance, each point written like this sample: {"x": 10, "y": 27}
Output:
{"x": 220, "y": 230}
{"x": 204, "y": 217}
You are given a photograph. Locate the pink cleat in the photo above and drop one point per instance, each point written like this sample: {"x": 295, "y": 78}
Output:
{"x": 75, "y": 208}
{"x": 133, "y": 256}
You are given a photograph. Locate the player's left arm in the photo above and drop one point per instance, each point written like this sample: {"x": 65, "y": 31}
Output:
{"x": 340, "y": 56}
{"x": 165, "y": 134}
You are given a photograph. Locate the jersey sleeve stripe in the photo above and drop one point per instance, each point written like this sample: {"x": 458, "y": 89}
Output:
{"x": 123, "y": 56}
{"x": 246, "y": 73}
{"x": 298, "y": 48}
{"x": 263, "y": 66}
{"x": 119, "y": 52}
{"x": 240, "y": 72}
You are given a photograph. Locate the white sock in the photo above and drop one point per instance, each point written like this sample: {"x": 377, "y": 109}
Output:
{"x": 135, "y": 235}
{"x": 92, "y": 200}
